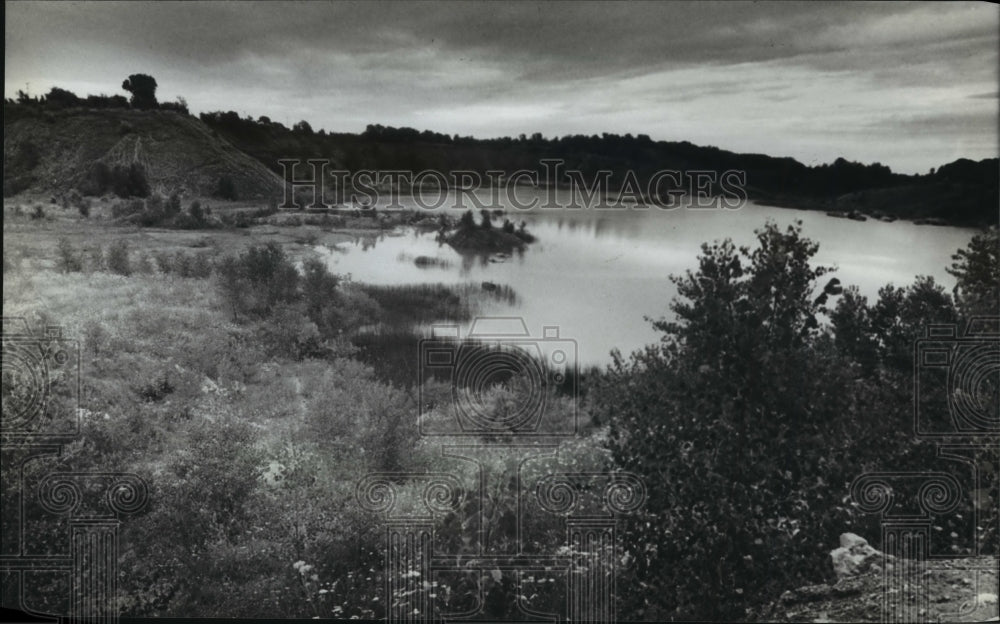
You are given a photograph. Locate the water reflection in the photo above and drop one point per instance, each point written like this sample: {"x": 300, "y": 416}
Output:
{"x": 598, "y": 274}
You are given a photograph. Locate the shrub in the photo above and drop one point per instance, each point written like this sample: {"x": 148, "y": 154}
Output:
{"x": 319, "y": 290}
{"x": 143, "y": 265}
{"x": 71, "y": 199}
{"x": 99, "y": 179}
{"x": 239, "y": 219}
{"x": 164, "y": 262}
{"x": 154, "y": 210}
{"x": 121, "y": 209}
{"x": 156, "y": 390}
{"x": 118, "y": 260}
{"x": 129, "y": 181}
{"x": 226, "y": 188}
{"x": 68, "y": 261}
{"x": 97, "y": 259}
{"x": 192, "y": 265}
{"x": 38, "y": 212}
{"x": 288, "y": 333}
{"x": 14, "y": 184}
{"x": 257, "y": 280}
{"x": 743, "y": 375}
{"x": 174, "y": 204}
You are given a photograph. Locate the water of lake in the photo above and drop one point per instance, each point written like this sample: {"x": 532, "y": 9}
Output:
{"x": 596, "y": 274}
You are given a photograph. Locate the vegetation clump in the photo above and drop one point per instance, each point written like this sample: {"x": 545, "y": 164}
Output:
{"x": 753, "y": 418}
{"x": 469, "y": 236}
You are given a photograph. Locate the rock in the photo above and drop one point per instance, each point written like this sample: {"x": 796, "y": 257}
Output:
{"x": 855, "y": 556}
{"x": 810, "y": 593}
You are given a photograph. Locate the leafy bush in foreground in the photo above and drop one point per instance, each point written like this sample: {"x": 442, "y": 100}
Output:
{"x": 752, "y": 420}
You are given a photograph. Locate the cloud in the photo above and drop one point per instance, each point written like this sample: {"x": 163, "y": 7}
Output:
{"x": 817, "y": 80}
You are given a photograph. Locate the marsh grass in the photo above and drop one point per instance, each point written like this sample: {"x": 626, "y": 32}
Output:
{"x": 394, "y": 353}
{"x": 428, "y": 303}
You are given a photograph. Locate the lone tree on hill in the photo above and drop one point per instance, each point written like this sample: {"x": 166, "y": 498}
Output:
{"x": 143, "y": 90}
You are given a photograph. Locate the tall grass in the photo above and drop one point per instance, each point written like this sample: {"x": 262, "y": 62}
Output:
{"x": 394, "y": 355}
{"x": 390, "y": 347}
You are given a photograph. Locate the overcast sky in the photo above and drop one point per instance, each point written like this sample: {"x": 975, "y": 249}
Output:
{"x": 909, "y": 85}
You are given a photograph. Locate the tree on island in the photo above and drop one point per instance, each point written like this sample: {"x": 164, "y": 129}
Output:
{"x": 143, "y": 90}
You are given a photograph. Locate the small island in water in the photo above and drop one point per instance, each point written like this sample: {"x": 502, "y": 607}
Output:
{"x": 485, "y": 236}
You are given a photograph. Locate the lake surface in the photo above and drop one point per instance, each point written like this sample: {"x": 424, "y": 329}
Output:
{"x": 596, "y": 274}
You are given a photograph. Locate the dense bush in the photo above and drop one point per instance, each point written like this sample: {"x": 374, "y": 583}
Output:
{"x": 118, "y": 258}
{"x": 258, "y": 280}
{"x": 126, "y": 208}
{"x": 124, "y": 181}
{"x": 68, "y": 261}
{"x": 226, "y": 188}
{"x": 752, "y": 419}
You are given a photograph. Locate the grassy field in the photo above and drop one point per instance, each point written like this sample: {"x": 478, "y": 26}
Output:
{"x": 251, "y": 445}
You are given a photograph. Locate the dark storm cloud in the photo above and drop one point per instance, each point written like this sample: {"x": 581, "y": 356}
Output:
{"x": 769, "y": 76}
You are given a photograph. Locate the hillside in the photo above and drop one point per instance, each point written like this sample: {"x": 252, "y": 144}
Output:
{"x": 54, "y": 151}
{"x": 961, "y": 193}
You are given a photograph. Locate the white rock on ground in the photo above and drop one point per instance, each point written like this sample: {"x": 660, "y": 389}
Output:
{"x": 854, "y": 556}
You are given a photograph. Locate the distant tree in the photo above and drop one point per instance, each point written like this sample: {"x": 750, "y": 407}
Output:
{"x": 98, "y": 179}
{"x": 174, "y": 204}
{"x": 61, "y": 98}
{"x": 106, "y": 101}
{"x": 486, "y": 220}
{"x": 226, "y": 188}
{"x": 143, "y": 90}
{"x": 467, "y": 221}
{"x": 196, "y": 211}
{"x": 303, "y": 127}
{"x": 129, "y": 181}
